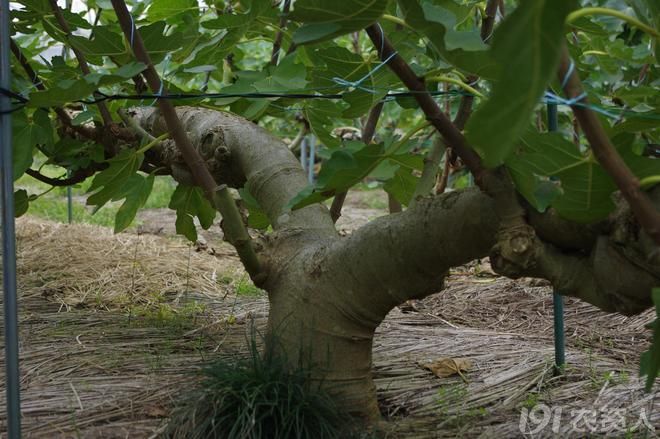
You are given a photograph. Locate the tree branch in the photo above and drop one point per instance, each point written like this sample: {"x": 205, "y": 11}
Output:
{"x": 294, "y": 146}
{"x": 77, "y": 177}
{"x": 34, "y": 77}
{"x": 277, "y": 44}
{"x": 488, "y": 22}
{"x": 606, "y": 154}
{"x": 406, "y": 261}
{"x": 444, "y": 177}
{"x": 451, "y": 134}
{"x": 367, "y": 134}
{"x": 82, "y": 62}
{"x": 514, "y": 251}
{"x": 234, "y": 228}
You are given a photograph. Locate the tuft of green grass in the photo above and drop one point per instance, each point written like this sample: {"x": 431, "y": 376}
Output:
{"x": 245, "y": 287}
{"x": 257, "y": 397}
{"x": 163, "y": 315}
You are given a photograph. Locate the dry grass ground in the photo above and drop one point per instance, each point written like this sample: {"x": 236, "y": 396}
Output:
{"x": 113, "y": 328}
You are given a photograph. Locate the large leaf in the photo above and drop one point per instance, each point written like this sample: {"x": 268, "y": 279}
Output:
{"x": 585, "y": 187}
{"x": 28, "y": 133}
{"x": 287, "y": 76}
{"x": 437, "y": 20}
{"x": 189, "y": 202}
{"x": 338, "y": 70}
{"x": 527, "y": 46}
{"x": 320, "y": 114}
{"x": 105, "y": 42}
{"x": 325, "y": 19}
{"x": 648, "y": 11}
{"x": 110, "y": 183}
{"x": 21, "y": 202}
{"x": 344, "y": 169}
{"x": 136, "y": 191}
{"x": 157, "y": 43}
{"x": 166, "y": 9}
{"x": 65, "y": 91}
{"x": 402, "y": 185}
{"x": 257, "y": 218}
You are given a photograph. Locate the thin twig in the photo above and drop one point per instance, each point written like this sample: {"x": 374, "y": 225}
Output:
{"x": 295, "y": 143}
{"x": 451, "y": 134}
{"x": 77, "y": 177}
{"x": 444, "y": 177}
{"x": 232, "y": 223}
{"x": 644, "y": 210}
{"x": 277, "y": 44}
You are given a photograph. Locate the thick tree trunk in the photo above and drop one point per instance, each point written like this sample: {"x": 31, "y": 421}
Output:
{"x": 329, "y": 293}
{"x": 328, "y": 296}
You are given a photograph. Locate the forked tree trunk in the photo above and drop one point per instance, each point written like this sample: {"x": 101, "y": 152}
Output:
{"x": 328, "y": 296}
{"x": 329, "y": 293}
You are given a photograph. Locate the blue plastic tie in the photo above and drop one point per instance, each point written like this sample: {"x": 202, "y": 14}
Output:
{"x": 382, "y": 38}
{"x": 162, "y": 81}
{"x": 132, "y": 30}
{"x": 552, "y": 98}
{"x": 601, "y": 111}
{"x": 160, "y": 92}
{"x": 358, "y": 84}
{"x": 27, "y": 89}
{"x": 569, "y": 72}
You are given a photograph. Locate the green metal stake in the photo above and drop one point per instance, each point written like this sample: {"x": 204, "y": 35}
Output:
{"x": 69, "y": 197}
{"x": 69, "y": 202}
{"x": 9, "y": 287}
{"x": 557, "y": 299}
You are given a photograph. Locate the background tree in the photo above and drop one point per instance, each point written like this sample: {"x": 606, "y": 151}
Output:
{"x": 212, "y": 80}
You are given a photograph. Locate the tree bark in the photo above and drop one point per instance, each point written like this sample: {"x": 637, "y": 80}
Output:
{"x": 329, "y": 293}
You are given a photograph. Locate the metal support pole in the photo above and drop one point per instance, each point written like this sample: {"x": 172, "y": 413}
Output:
{"x": 8, "y": 236}
{"x": 69, "y": 195}
{"x": 69, "y": 202}
{"x": 303, "y": 153}
{"x": 312, "y": 154}
{"x": 557, "y": 299}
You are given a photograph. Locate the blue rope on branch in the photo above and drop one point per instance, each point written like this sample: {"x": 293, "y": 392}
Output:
{"x": 358, "y": 84}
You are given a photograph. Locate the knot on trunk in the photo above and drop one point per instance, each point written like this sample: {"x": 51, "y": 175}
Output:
{"x": 515, "y": 252}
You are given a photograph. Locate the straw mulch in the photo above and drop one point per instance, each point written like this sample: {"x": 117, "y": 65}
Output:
{"x": 113, "y": 328}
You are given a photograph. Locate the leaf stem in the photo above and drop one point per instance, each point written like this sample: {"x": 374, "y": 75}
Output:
{"x": 153, "y": 143}
{"x": 649, "y": 181}
{"x": 460, "y": 83}
{"x": 612, "y": 13}
{"x": 397, "y": 20}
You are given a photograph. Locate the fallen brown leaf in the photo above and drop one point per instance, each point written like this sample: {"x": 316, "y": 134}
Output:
{"x": 445, "y": 367}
